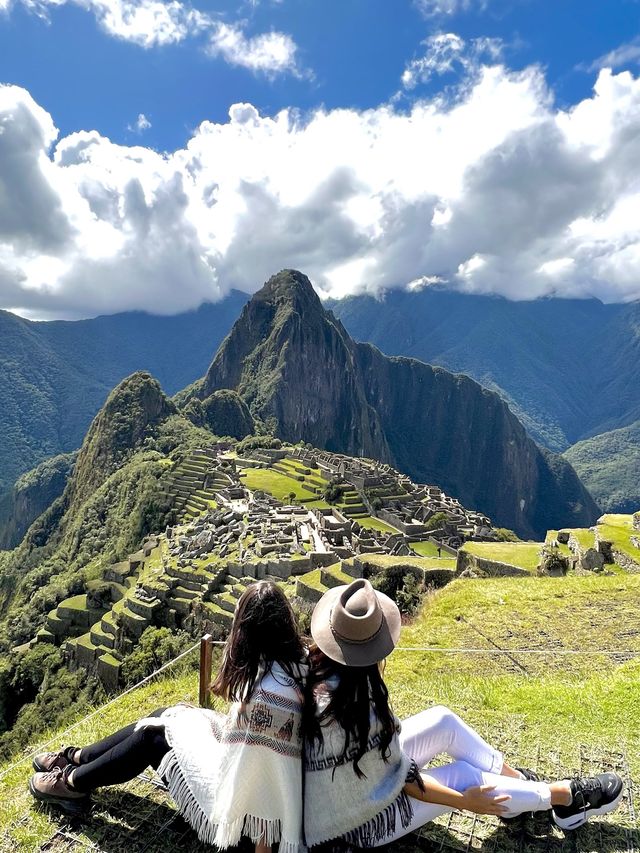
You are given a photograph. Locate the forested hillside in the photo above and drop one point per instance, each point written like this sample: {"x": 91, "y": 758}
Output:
{"x": 55, "y": 376}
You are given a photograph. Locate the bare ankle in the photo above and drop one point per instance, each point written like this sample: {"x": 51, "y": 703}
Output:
{"x": 561, "y": 793}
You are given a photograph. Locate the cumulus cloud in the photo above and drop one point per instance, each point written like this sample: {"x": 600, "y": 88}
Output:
{"x": 495, "y": 191}
{"x": 155, "y": 23}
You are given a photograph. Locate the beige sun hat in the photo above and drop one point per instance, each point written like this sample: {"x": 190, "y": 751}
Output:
{"x": 356, "y": 625}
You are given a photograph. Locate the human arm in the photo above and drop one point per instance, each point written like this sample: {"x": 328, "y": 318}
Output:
{"x": 480, "y": 799}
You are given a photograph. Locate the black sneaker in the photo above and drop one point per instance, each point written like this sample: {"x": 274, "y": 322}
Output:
{"x": 530, "y": 776}
{"x": 594, "y": 795}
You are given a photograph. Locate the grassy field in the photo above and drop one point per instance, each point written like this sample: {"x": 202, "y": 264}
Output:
{"x": 523, "y": 555}
{"x": 376, "y": 524}
{"x": 560, "y": 714}
{"x": 425, "y": 549}
{"x": 280, "y": 486}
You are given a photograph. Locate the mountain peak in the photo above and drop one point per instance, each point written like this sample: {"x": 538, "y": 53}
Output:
{"x": 289, "y": 287}
{"x": 131, "y": 412}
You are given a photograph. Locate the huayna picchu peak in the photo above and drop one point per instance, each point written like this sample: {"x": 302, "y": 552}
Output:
{"x": 300, "y": 372}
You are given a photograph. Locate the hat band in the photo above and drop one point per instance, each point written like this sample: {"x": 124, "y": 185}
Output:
{"x": 355, "y": 642}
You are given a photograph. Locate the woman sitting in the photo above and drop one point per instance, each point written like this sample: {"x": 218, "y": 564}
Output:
{"x": 232, "y": 775}
{"x": 364, "y": 782}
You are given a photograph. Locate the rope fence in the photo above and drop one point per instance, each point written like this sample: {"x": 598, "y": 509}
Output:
{"x": 207, "y": 643}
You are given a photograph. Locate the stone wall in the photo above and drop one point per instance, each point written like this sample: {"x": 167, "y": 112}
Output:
{"x": 482, "y": 567}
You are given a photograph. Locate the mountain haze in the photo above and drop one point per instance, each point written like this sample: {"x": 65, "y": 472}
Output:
{"x": 54, "y": 376}
{"x": 567, "y": 367}
{"x": 297, "y": 368}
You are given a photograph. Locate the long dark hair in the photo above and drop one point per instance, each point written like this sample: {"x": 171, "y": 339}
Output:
{"x": 356, "y": 693}
{"x": 264, "y": 630}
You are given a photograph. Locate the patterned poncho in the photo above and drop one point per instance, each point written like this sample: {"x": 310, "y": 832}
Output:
{"x": 240, "y": 773}
{"x": 340, "y": 805}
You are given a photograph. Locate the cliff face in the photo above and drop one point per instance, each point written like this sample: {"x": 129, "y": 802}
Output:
{"x": 292, "y": 361}
{"x": 31, "y": 495}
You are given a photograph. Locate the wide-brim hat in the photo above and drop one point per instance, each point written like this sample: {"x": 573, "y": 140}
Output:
{"x": 355, "y": 624}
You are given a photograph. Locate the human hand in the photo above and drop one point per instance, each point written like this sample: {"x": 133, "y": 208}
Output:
{"x": 481, "y": 800}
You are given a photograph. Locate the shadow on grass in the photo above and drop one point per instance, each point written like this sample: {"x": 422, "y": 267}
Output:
{"x": 536, "y": 834}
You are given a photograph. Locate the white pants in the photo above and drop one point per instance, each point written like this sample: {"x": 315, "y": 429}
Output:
{"x": 439, "y": 730}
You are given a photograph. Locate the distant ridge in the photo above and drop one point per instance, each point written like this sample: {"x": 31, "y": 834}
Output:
{"x": 55, "y": 376}
{"x": 297, "y": 368}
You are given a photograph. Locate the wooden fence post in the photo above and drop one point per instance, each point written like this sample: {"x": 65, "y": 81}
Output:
{"x": 206, "y": 650}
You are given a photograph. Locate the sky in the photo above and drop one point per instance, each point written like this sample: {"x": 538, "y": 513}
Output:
{"x": 154, "y": 155}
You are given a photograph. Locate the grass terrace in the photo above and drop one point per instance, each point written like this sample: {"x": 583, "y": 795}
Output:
{"x": 372, "y": 523}
{"x": 280, "y": 486}
{"x": 619, "y": 530}
{"x": 425, "y": 548}
{"x": 522, "y": 555}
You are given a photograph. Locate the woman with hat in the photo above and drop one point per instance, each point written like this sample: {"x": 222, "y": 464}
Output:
{"x": 365, "y": 782}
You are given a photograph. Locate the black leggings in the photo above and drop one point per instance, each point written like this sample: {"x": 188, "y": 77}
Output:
{"x": 121, "y": 756}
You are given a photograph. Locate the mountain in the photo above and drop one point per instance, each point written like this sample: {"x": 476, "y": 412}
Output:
{"x": 55, "y": 376}
{"x": 567, "y": 367}
{"x": 32, "y": 494}
{"x": 111, "y": 499}
{"x": 299, "y": 371}
{"x": 609, "y": 465}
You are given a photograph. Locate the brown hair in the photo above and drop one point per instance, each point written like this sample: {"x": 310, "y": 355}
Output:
{"x": 264, "y": 630}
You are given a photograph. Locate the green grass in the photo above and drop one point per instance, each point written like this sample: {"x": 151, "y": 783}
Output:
{"x": 549, "y": 717}
{"x": 619, "y": 529}
{"x": 562, "y": 549}
{"x": 522, "y": 555}
{"x": 279, "y": 486}
{"x": 425, "y": 549}
{"x": 586, "y": 538}
{"x": 376, "y": 524}
{"x": 386, "y": 561}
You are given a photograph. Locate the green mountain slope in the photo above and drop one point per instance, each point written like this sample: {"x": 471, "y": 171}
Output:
{"x": 55, "y": 376}
{"x": 609, "y": 465}
{"x": 566, "y": 367}
{"x": 298, "y": 370}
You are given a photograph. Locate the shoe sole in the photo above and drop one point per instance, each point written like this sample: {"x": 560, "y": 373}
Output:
{"x": 71, "y": 807}
{"x": 578, "y": 820}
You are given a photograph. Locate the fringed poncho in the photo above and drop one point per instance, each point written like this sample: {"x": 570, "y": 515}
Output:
{"x": 340, "y": 805}
{"x": 240, "y": 773}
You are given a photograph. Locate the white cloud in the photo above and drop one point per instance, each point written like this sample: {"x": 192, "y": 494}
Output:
{"x": 431, "y": 8}
{"x": 155, "y": 23}
{"x": 498, "y": 191}
{"x": 624, "y": 54}
{"x": 141, "y": 124}
{"x": 446, "y": 52}
{"x": 272, "y": 53}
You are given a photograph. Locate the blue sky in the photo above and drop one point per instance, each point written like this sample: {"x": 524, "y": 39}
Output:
{"x": 355, "y": 49}
{"x": 488, "y": 144}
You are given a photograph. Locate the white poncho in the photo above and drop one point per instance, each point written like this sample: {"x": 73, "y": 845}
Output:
{"x": 240, "y": 773}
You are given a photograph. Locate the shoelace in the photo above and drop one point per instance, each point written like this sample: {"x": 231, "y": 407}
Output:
{"x": 587, "y": 786}
{"x": 53, "y": 775}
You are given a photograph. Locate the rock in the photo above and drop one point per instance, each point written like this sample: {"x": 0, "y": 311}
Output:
{"x": 592, "y": 560}
{"x": 553, "y": 564}
{"x": 563, "y": 537}
{"x": 636, "y": 521}
{"x": 606, "y": 549}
